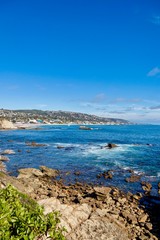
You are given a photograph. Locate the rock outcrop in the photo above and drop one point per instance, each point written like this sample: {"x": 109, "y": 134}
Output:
{"x": 5, "y": 124}
{"x": 87, "y": 212}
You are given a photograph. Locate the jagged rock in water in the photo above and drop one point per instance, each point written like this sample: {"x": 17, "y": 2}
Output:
{"x": 8, "y": 151}
{"x": 133, "y": 178}
{"x": 111, "y": 145}
{"x": 3, "y": 158}
{"x": 34, "y": 144}
{"x": 146, "y": 186}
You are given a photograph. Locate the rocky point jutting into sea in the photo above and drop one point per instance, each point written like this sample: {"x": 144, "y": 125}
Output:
{"x": 81, "y": 174}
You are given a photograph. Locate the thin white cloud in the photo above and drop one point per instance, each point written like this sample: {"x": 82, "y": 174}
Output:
{"x": 99, "y": 98}
{"x": 140, "y": 111}
{"x": 154, "y": 72}
{"x": 155, "y": 107}
{"x": 125, "y": 100}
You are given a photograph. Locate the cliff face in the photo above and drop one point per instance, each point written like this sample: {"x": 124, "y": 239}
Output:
{"x": 5, "y": 124}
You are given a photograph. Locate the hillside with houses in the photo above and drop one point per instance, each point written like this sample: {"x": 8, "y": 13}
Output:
{"x": 57, "y": 117}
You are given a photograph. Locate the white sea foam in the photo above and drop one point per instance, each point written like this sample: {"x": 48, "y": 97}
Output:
{"x": 99, "y": 151}
{"x": 67, "y": 144}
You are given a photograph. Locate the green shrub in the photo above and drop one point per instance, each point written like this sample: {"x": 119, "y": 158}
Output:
{"x": 21, "y": 218}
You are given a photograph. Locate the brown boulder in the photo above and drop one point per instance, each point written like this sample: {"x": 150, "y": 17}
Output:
{"x": 49, "y": 172}
{"x": 60, "y": 147}
{"x": 29, "y": 172}
{"x": 111, "y": 145}
{"x": 146, "y": 186}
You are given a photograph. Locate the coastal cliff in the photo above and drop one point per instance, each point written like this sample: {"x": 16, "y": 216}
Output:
{"x": 5, "y": 124}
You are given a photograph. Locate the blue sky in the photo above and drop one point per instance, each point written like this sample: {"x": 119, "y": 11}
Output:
{"x": 93, "y": 56}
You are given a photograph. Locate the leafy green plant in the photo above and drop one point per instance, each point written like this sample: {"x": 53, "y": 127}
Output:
{"x": 21, "y": 218}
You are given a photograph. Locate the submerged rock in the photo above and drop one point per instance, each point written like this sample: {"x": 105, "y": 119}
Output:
{"x": 133, "y": 178}
{"x": 110, "y": 145}
{"x": 60, "y": 147}
{"x": 34, "y": 144}
{"x": 105, "y": 174}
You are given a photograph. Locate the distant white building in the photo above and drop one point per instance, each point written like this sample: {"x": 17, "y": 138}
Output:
{"x": 33, "y": 121}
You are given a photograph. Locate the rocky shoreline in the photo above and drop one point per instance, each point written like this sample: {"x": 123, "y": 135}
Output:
{"x": 90, "y": 212}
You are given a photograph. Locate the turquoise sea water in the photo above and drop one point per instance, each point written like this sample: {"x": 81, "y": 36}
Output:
{"x": 83, "y": 152}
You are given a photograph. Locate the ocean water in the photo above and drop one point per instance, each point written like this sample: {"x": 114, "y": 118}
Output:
{"x": 138, "y": 149}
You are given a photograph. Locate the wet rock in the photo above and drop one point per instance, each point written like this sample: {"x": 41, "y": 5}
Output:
{"x": 34, "y": 144}
{"x": 49, "y": 172}
{"x": 105, "y": 174}
{"x": 133, "y": 178}
{"x": 19, "y": 150}
{"x": 111, "y": 145}
{"x": 108, "y": 175}
{"x": 99, "y": 175}
{"x": 3, "y": 158}
{"x": 131, "y": 171}
{"x": 60, "y": 147}
{"x": 137, "y": 196}
{"x": 77, "y": 173}
{"x": 146, "y": 186}
{"x": 149, "y": 144}
{"x": 8, "y": 151}
{"x": 67, "y": 173}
